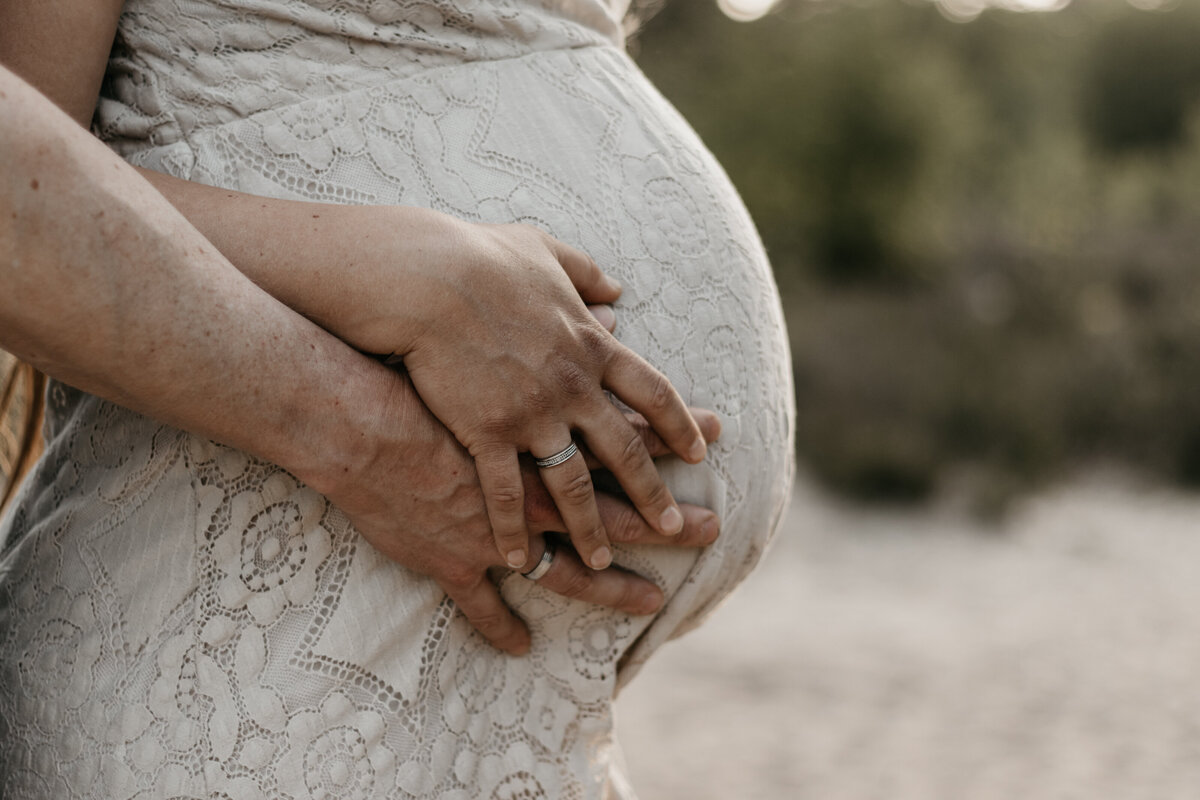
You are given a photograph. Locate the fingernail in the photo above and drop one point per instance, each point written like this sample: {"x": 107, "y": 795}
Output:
{"x": 650, "y": 603}
{"x": 605, "y": 316}
{"x": 614, "y": 283}
{"x": 671, "y": 521}
{"x": 601, "y": 558}
{"x": 698, "y": 449}
{"x": 516, "y": 558}
{"x": 711, "y": 428}
{"x": 710, "y": 529}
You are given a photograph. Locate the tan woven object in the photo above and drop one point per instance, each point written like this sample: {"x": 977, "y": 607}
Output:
{"x": 22, "y": 390}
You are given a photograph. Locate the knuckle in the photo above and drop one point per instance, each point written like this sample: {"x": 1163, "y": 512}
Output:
{"x": 506, "y": 540}
{"x": 573, "y": 379}
{"x": 627, "y": 526}
{"x": 662, "y": 393}
{"x": 596, "y": 536}
{"x": 634, "y": 453}
{"x": 656, "y": 495}
{"x": 578, "y": 490}
{"x": 588, "y": 539}
{"x": 639, "y": 424}
{"x": 577, "y": 585}
{"x": 506, "y": 499}
{"x": 460, "y": 576}
{"x": 496, "y": 423}
{"x": 596, "y": 341}
{"x": 490, "y": 623}
{"x": 589, "y": 270}
{"x": 538, "y": 400}
{"x": 650, "y": 438}
{"x": 532, "y": 235}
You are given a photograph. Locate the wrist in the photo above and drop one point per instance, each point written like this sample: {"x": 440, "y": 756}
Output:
{"x": 397, "y": 278}
{"x": 348, "y": 430}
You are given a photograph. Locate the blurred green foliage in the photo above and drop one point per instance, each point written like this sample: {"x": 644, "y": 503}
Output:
{"x": 984, "y": 232}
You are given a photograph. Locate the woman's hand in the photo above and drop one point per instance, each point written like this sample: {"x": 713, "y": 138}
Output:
{"x": 492, "y": 327}
{"x": 502, "y": 349}
{"x": 418, "y": 501}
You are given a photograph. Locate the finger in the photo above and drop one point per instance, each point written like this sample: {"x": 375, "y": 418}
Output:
{"x": 540, "y": 512}
{"x": 621, "y": 520}
{"x": 620, "y": 448}
{"x": 504, "y": 495}
{"x": 646, "y": 390}
{"x": 612, "y": 588}
{"x": 708, "y": 422}
{"x": 654, "y": 444}
{"x": 570, "y": 484}
{"x": 605, "y": 316}
{"x": 593, "y": 285}
{"x": 481, "y": 604}
{"x": 626, "y": 526}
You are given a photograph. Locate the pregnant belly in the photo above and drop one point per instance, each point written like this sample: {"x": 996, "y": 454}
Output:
{"x": 578, "y": 143}
{"x": 149, "y": 580}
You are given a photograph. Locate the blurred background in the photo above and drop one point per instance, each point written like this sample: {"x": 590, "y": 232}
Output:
{"x": 983, "y": 218}
{"x": 984, "y": 226}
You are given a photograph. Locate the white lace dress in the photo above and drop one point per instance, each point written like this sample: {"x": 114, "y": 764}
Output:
{"x": 180, "y": 620}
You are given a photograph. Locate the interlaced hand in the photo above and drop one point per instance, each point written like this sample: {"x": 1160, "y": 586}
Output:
{"x": 419, "y": 502}
{"x": 492, "y": 324}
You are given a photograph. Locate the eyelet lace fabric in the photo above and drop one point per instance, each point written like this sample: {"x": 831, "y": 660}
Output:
{"x": 181, "y": 620}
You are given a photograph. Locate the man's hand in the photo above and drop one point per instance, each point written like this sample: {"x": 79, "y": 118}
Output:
{"x": 418, "y": 501}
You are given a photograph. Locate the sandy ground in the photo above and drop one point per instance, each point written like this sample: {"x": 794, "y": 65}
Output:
{"x": 922, "y": 656}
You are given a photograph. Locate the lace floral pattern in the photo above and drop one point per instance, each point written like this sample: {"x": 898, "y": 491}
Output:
{"x": 267, "y": 557}
{"x": 178, "y": 619}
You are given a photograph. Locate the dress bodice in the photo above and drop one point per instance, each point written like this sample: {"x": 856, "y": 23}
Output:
{"x": 214, "y": 61}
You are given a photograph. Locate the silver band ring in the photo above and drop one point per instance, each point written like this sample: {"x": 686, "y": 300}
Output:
{"x": 543, "y": 565}
{"x": 558, "y": 458}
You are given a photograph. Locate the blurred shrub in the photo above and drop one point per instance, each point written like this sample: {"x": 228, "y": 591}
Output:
{"x": 984, "y": 232}
{"x": 1142, "y": 79}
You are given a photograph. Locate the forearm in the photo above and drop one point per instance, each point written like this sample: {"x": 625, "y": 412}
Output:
{"x": 319, "y": 258}
{"x": 61, "y": 47}
{"x": 109, "y": 289}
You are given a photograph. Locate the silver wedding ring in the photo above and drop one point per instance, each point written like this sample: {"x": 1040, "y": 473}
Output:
{"x": 542, "y": 566}
{"x": 558, "y": 458}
